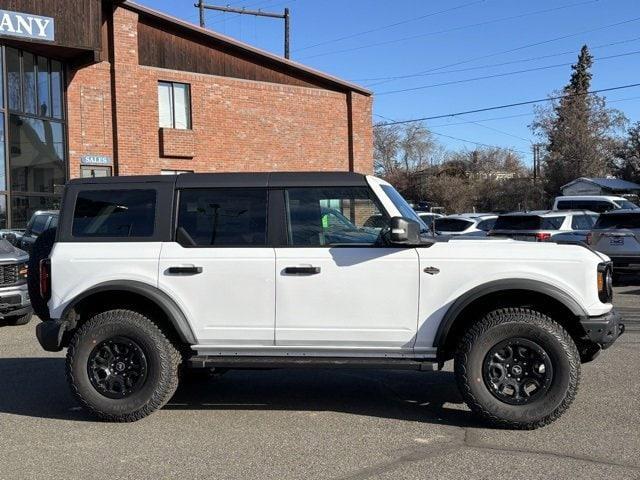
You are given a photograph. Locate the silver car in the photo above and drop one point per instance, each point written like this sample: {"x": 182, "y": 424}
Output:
{"x": 617, "y": 235}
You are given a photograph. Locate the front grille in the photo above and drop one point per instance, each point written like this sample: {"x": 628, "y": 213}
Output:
{"x": 8, "y": 275}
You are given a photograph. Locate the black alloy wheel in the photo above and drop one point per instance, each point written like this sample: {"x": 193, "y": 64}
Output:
{"x": 517, "y": 371}
{"x": 117, "y": 367}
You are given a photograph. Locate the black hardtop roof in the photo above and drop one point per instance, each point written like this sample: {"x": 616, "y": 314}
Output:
{"x": 246, "y": 180}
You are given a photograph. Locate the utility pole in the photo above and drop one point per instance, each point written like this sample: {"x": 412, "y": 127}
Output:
{"x": 286, "y": 16}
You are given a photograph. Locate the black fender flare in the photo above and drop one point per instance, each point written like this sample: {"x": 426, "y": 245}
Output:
{"x": 173, "y": 312}
{"x": 480, "y": 291}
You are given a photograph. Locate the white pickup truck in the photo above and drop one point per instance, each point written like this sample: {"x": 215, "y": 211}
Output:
{"x": 275, "y": 270}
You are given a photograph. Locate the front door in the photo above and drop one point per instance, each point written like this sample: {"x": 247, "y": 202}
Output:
{"x": 220, "y": 268}
{"x": 337, "y": 285}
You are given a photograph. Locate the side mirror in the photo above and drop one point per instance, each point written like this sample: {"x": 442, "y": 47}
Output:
{"x": 404, "y": 231}
{"x": 11, "y": 238}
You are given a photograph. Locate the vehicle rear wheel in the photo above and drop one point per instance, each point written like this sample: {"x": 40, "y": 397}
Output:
{"x": 121, "y": 366}
{"x": 20, "y": 320}
{"x": 517, "y": 368}
{"x": 40, "y": 250}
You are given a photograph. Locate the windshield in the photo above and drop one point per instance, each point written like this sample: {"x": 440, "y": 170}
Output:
{"x": 403, "y": 207}
{"x": 619, "y": 220}
{"x": 626, "y": 204}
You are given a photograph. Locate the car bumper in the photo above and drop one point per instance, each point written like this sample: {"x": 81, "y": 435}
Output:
{"x": 14, "y": 301}
{"x": 605, "y": 329}
{"x": 626, "y": 263}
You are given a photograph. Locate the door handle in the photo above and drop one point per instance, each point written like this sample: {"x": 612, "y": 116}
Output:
{"x": 302, "y": 270}
{"x": 184, "y": 270}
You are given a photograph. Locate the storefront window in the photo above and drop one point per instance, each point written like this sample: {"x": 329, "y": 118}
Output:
{"x": 32, "y": 136}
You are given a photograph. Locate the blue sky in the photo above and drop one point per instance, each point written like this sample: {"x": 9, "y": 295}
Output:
{"x": 445, "y": 41}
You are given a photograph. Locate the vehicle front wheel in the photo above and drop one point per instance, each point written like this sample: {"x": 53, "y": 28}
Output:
{"x": 20, "y": 320}
{"x": 517, "y": 368}
{"x": 121, "y": 366}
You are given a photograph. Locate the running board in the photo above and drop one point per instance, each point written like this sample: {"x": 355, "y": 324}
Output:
{"x": 248, "y": 362}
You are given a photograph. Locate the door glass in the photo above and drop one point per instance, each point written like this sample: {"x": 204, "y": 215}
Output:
{"x": 39, "y": 224}
{"x": 331, "y": 216}
{"x": 225, "y": 217}
{"x": 36, "y": 154}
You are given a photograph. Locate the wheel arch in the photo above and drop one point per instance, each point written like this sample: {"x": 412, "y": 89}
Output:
{"x": 507, "y": 292}
{"x": 133, "y": 294}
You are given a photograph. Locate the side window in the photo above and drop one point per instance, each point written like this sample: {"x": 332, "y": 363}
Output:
{"x": 114, "y": 213}
{"x": 552, "y": 223}
{"x": 486, "y": 225}
{"x": 222, "y": 217}
{"x": 332, "y": 216}
{"x": 39, "y": 224}
{"x": 174, "y": 105}
{"x": 582, "y": 222}
{"x": 565, "y": 205}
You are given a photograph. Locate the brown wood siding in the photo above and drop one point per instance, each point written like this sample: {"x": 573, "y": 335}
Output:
{"x": 77, "y": 22}
{"x": 167, "y": 47}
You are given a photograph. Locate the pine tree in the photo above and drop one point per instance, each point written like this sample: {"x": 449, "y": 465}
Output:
{"x": 579, "y": 130}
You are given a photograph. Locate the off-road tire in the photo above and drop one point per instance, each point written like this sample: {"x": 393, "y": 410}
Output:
{"x": 500, "y": 325}
{"x": 40, "y": 250}
{"x": 163, "y": 364}
{"x": 20, "y": 320}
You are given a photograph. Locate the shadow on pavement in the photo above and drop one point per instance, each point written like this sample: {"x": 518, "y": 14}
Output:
{"x": 37, "y": 387}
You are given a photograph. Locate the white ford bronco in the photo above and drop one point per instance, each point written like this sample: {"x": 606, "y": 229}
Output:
{"x": 147, "y": 275}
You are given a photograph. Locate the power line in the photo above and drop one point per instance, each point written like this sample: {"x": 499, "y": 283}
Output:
{"x": 454, "y": 138}
{"x": 391, "y": 25}
{"x": 448, "y": 30}
{"x": 497, "y": 75}
{"x": 522, "y": 47}
{"x": 510, "y": 105}
{"x": 492, "y": 65}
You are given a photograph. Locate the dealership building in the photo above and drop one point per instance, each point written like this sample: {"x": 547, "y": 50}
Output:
{"x": 97, "y": 88}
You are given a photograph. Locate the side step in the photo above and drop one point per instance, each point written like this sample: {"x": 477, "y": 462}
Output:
{"x": 249, "y": 362}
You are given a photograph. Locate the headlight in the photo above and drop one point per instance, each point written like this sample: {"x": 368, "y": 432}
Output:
{"x": 605, "y": 282}
{"x": 23, "y": 271}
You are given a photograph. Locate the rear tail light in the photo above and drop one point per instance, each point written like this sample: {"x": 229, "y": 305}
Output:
{"x": 45, "y": 278}
{"x": 589, "y": 238}
{"x": 542, "y": 237}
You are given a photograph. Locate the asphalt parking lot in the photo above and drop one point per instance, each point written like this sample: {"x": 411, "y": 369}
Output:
{"x": 317, "y": 424}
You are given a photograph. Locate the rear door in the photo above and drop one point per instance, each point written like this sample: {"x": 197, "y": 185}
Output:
{"x": 219, "y": 268}
{"x": 338, "y": 286}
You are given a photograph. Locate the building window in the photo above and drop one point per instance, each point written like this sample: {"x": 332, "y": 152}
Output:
{"x": 174, "y": 105}
{"x": 32, "y": 135}
{"x": 174, "y": 172}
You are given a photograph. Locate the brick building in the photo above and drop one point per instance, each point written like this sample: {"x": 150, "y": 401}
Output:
{"x": 101, "y": 87}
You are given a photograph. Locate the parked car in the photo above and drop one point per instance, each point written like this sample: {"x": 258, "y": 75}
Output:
{"x": 469, "y": 224}
{"x": 15, "y": 307}
{"x": 145, "y": 274}
{"x": 594, "y": 203}
{"x": 428, "y": 217}
{"x": 12, "y": 235}
{"x": 617, "y": 235}
{"x": 40, "y": 221}
{"x": 546, "y": 225}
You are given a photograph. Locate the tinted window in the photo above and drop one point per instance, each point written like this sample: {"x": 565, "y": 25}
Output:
{"x": 626, "y": 204}
{"x": 331, "y": 216}
{"x": 552, "y": 223}
{"x": 224, "y": 217}
{"x": 486, "y": 225}
{"x": 114, "y": 213}
{"x": 619, "y": 220}
{"x": 39, "y": 224}
{"x": 582, "y": 222}
{"x": 564, "y": 205}
{"x": 518, "y": 222}
{"x": 451, "y": 224}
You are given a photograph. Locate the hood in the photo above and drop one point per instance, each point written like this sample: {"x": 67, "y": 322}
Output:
{"x": 9, "y": 253}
